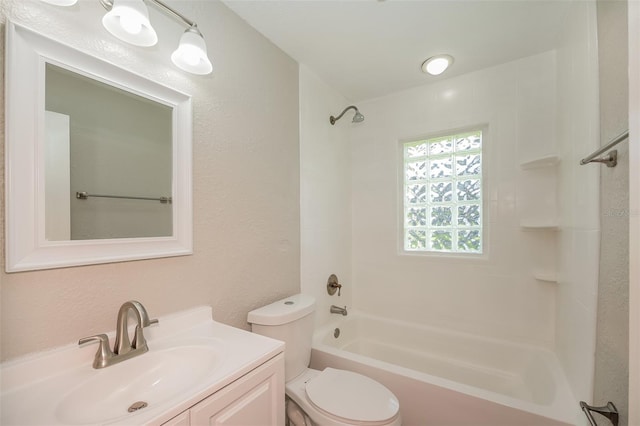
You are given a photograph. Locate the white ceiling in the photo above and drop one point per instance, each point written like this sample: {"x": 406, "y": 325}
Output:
{"x": 370, "y": 48}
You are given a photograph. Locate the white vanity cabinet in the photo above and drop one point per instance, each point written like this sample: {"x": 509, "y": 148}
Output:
{"x": 181, "y": 419}
{"x": 255, "y": 399}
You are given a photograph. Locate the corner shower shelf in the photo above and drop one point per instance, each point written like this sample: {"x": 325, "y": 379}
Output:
{"x": 546, "y": 276}
{"x": 538, "y": 184}
{"x": 542, "y": 162}
{"x": 550, "y": 226}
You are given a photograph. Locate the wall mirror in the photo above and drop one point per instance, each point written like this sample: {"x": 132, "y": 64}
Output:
{"x": 98, "y": 159}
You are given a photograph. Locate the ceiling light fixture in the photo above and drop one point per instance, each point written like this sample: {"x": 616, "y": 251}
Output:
{"x": 128, "y": 20}
{"x": 436, "y": 65}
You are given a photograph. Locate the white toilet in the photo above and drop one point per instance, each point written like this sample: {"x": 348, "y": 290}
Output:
{"x": 320, "y": 398}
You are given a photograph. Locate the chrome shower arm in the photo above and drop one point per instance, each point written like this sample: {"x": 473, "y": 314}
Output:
{"x": 333, "y": 119}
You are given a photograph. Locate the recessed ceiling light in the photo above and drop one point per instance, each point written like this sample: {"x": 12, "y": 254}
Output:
{"x": 436, "y": 65}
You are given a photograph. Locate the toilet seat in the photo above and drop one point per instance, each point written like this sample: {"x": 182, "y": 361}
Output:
{"x": 352, "y": 396}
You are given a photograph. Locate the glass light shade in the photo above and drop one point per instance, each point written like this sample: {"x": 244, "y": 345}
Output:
{"x": 61, "y": 2}
{"x": 129, "y": 21}
{"x": 436, "y": 65}
{"x": 191, "y": 54}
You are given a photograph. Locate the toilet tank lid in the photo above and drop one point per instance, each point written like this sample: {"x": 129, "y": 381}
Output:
{"x": 283, "y": 311}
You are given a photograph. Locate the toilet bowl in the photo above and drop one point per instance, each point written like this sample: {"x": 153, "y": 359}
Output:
{"x": 330, "y": 397}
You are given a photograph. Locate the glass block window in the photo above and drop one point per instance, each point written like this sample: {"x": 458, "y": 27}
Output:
{"x": 443, "y": 194}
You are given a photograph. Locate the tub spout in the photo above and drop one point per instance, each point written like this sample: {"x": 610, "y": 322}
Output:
{"x": 338, "y": 310}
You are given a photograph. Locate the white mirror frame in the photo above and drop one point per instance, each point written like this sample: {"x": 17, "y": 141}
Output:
{"x": 27, "y": 53}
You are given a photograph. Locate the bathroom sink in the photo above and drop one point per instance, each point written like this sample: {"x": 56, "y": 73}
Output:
{"x": 190, "y": 357}
{"x": 151, "y": 379}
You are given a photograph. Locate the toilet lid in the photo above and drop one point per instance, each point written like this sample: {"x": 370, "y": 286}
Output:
{"x": 352, "y": 396}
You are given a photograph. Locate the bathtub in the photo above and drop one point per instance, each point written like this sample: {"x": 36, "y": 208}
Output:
{"x": 442, "y": 377}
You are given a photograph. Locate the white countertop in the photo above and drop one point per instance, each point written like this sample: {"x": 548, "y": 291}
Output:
{"x": 35, "y": 388}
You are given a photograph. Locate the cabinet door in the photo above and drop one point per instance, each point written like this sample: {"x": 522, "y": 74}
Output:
{"x": 181, "y": 419}
{"x": 256, "y": 399}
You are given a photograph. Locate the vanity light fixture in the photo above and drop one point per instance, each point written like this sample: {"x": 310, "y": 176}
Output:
{"x": 128, "y": 20}
{"x": 191, "y": 54}
{"x": 61, "y": 2}
{"x": 436, "y": 65}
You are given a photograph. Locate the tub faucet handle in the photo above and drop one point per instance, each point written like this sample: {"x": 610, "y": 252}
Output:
{"x": 333, "y": 285}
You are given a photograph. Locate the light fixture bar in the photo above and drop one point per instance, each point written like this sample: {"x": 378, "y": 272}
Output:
{"x": 163, "y": 7}
{"x": 170, "y": 12}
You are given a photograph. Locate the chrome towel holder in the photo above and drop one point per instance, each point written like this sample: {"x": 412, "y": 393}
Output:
{"x": 611, "y": 160}
{"x": 83, "y": 195}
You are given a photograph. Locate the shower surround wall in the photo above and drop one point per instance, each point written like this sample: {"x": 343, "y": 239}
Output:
{"x": 325, "y": 194}
{"x": 544, "y": 105}
{"x": 245, "y": 184}
{"x": 579, "y": 201}
{"x": 496, "y": 295}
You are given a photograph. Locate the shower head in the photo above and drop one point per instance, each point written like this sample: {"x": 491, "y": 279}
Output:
{"x": 357, "y": 118}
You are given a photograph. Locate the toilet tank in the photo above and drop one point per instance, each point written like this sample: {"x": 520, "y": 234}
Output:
{"x": 291, "y": 321}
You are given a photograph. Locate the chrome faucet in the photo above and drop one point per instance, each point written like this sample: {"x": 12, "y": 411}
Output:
{"x": 122, "y": 344}
{"x": 338, "y": 310}
{"x": 123, "y": 348}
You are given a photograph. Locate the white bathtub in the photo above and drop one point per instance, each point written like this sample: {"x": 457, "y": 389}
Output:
{"x": 443, "y": 377}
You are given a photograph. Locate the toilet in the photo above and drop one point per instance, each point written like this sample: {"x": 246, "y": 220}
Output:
{"x": 330, "y": 397}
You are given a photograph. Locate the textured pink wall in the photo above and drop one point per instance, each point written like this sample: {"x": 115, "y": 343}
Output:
{"x": 245, "y": 184}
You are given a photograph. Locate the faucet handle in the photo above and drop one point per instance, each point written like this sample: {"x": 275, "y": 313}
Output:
{"x": 139, "y": 342}
{"x": 149, "y": 322}
{"x": 103, "y": 354}
{"x": 333, "y": 285}
{"x": 144, "y": 316}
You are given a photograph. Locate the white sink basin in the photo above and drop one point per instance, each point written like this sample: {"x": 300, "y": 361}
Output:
{"x": 152, "y": 378}
{"x": 190, "y": 357}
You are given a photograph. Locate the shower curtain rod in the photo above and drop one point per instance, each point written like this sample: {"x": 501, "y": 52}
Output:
{"x": 612, "y": 159}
